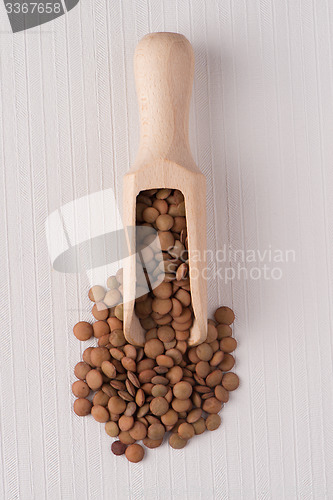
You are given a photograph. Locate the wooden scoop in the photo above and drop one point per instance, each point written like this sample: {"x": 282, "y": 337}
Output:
{"x": 164, "y": 66}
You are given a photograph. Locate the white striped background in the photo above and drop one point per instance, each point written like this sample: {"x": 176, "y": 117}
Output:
{"x": 261, "y": 131}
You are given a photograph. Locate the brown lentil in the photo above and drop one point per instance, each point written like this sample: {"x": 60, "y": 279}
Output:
{"x": 199, "y": 426}
{"x": 117, "y": 338}
{"x": 152, "y": 443}
{"x": 82, "y": 407}
{"x": 228, "y": 344}
{"x": 153, "y": 348}
{"x": 214, "y": 378}
{"x": 125, "y": 423}
{"x": 213, "y": 421}
{"x": 182, "y": 390}
{"x": 138, "y": 431}
{"x": 108, "y": 369}
{"x": 230, "y": 381}
{"x": 114, "y": 324}
{"x": 227, "y": 363}
{"x": 126, "y": 438}
{"x": 100, "y": 398}
{"x": 83, "y": 331}
{"x": 202, "y": 369}
{"x": 211, "y": 333}
{"x": 180, "y": 405}
{"x": 212, "y": 405}
{"x": 186, "y": 430}
{"x": 164, "y": 222}
{"x": 217, "y": 358}
{"x": 116, "y": 405}
{"x": 94, "y": 379}
{"x": 204, "y": 352}
{"x": 221, "y": 394}
{"x": 223, "y": 331}
{"x": 156, "y": 431}
{"x": 176, "y": 441}
{"x": 111, "y": 428}
{"x": 194, "y": 415}
{"x": 112, "y": 297}
{"x": 118, "y": 448}
{"x": 159, "y": 390}
{"x": 224, "y": 315}
{"x": 100, "y": 413}
{"x": 80, "y": 389}
{"x": 100, "y": 328}
{"x": 100, "y": 311}
{"x": 175, "y": 374}
{"x": 159, "y": 406}
{"x": 96, "y": 293}
{"x": 98, "y": 355}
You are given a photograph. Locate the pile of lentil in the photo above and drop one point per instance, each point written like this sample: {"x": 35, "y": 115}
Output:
{"x": 142, "y": 393}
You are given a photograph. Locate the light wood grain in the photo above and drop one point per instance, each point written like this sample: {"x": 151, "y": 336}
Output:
{"x": 164, "y": 65}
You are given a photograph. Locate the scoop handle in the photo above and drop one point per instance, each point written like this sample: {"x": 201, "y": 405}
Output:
{"x": 164, "y": 68}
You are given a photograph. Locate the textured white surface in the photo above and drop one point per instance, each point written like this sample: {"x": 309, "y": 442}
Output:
{"x": 261, "y": 131}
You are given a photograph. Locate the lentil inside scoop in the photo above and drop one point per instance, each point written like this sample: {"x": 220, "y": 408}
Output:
{"x": 143, "y": 393}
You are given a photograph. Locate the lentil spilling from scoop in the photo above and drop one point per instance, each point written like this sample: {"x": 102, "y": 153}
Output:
{"x": 164, "y": 387}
